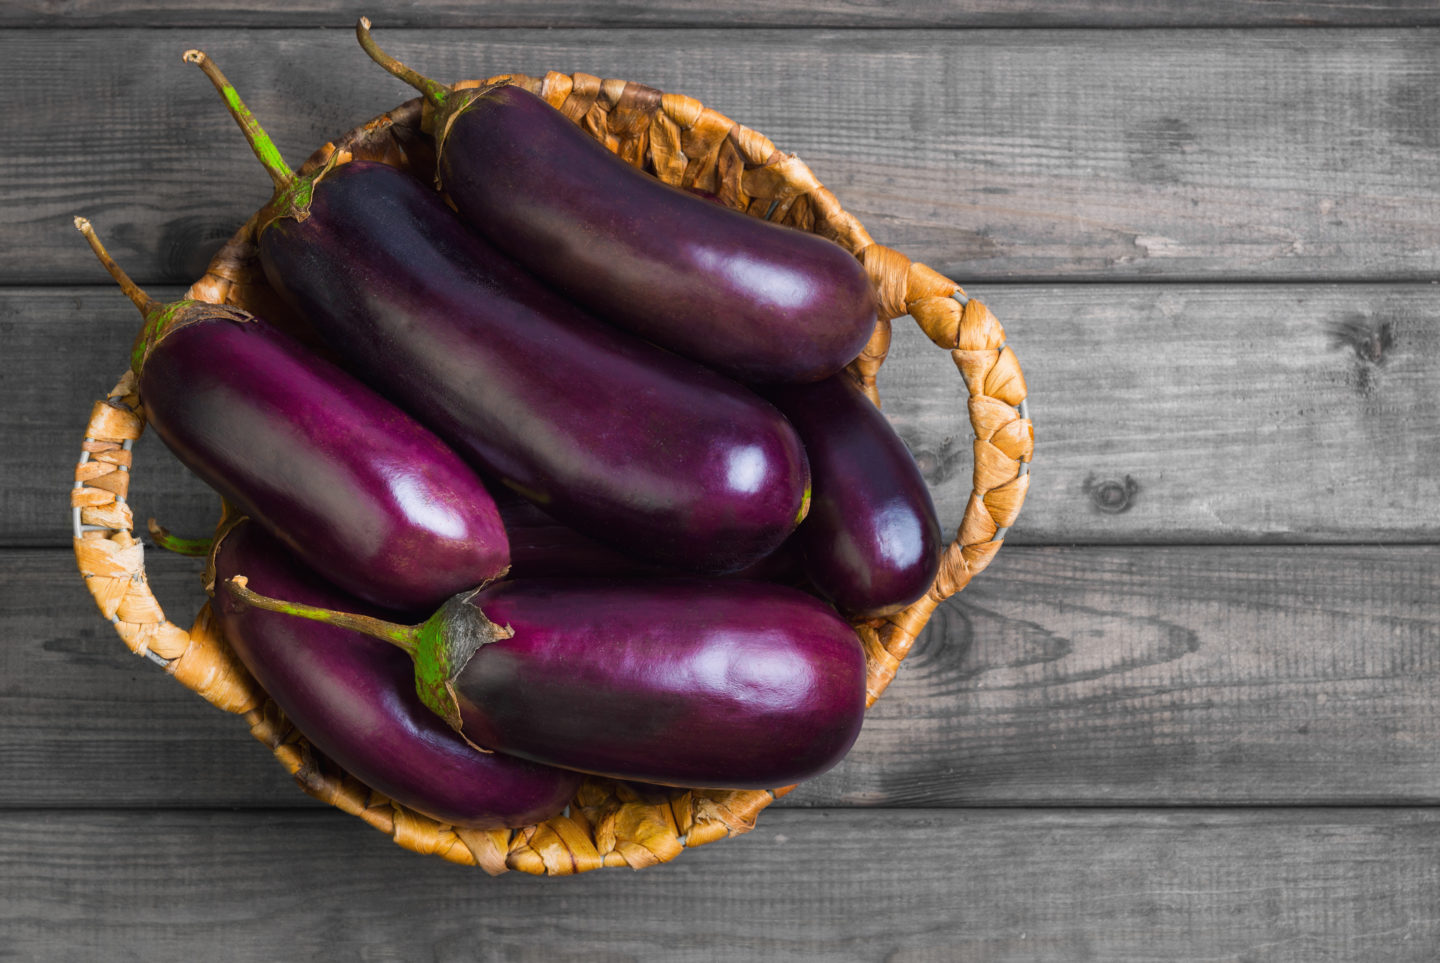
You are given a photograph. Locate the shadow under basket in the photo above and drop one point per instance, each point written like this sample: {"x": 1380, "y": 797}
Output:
{"x": 608, "y": 823}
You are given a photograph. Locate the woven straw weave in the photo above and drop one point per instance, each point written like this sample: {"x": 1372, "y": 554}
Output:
{"x": 608, "y": 823}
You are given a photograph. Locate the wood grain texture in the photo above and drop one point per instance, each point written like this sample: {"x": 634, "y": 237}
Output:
{"x": 1298, "y": 413}
{"x": 1137, "y": 676}
{"x": 912, "y": 887}
{"x": 1264, "y": 154}
{"x": 1123, "y": 14}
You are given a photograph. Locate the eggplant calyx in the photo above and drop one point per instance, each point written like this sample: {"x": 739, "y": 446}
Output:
{"x": 441, "y": 646}
{"x": 160, "y": 319}
{"x": 804, "y": 505}
{"x": 293, "y": 192}
{"x": 444, "y": 644}
{"x": 443, "y": 104}
{"x": 294, "y": 199}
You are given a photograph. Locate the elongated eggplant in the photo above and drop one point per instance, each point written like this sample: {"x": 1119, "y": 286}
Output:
{"x": 358, "y": 489}
{"x": 758, "y": 301}
{"x": 354, "y": 698}
{"x": 628, "y": 443}
{"x": 703, "y": 683}
{"x": 871, "y": 543}
{"x": 541, "y": 547}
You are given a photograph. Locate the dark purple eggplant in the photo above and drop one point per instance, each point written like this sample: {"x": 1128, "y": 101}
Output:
{"x": 541, "y": 547}
{"x": 357, "y": 488}
{"x": 354, "y": 698}
{"x": 630, "y": 444}
{"x": 703, "y": 683}
{"x": 871, "y": 542}
{"x": 758, "y": 301}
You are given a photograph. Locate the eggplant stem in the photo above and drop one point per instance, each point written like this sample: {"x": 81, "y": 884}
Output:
{"x": 138, "y": 297}
{"x": 260, "y": 141}
{"x": 437, "y": 92}
{"x": 403, "y": 636}
{"x": 189, "y": 547}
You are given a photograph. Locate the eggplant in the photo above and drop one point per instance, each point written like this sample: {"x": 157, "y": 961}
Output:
{"x": 541, "y": 547}
{"x": 871, "y": 542}
{"x": 758, "y": 301}
{"x": 354, "y": 486}
{"x": 628, "y": 443}
{"x": 353, "y": 698}
{"x": 700, "y": 682}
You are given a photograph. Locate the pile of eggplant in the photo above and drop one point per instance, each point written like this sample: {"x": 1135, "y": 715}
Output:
{"x": 577, "y": 484}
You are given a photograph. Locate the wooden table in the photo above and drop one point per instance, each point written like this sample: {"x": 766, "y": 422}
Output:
{"x": 1192, "y": 711}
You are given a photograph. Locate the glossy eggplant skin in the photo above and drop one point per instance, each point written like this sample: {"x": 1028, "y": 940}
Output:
{"x": 354, "y": 698}
{"x": 702, "y": 682}
{"x": 357, "y": 488}
{"x": 871, "y": 542}
{"x": 757, "y": 301}
{"x": 630, "y": 444}
{"x": 541, "y": 547}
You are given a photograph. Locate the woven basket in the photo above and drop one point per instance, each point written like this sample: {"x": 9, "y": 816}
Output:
{"x": 608, "y": 823}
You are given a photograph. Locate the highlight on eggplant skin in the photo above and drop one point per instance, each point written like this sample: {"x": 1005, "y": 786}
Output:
{"x": 357, "y": 488}
{"x": 757, "y": 301}
{"x": 871, "y": 542}
{"x": 354, "y": 698}
{"x": 704, "y": 683}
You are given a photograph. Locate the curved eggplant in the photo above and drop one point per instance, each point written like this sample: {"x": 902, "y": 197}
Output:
{"x": 702, "y": 683}
{"x": 628, "y": 443}
{"x": 358, "y": 489}
{"x": 871, "y": 543}
{"x": 353, "y": 697}
{"x": 758, "y": 301}
{"x": 541, "y": 547}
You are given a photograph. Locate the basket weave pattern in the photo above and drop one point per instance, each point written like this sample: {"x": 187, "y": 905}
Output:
{"x": 608, "y": 823}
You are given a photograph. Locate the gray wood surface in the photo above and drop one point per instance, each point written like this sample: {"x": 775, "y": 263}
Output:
{"x": 1190, "y": 713}
{"x": 931, "y": 14}
{"x": 1020, "y": 155}
{"x": 1290, "y": 886}
{"x": 1164, "y": 413}
{"x": 1066, "y": 676}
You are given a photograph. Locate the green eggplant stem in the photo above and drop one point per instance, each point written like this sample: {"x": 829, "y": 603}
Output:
{"x": 436, "y": 92}
{"x": 260, "y": 142}
{"x": 189, "y": 547}
{"x": 404, "y": 636}
{"x": 159, "y": 318}
{"x": 139, "y": 298}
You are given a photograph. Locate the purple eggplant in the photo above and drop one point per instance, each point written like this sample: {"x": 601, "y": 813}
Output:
{"x": 758, "y": 301}
{"x": 704, "y": 683}
{"x": 871, "y": 542}
{"x": 541, "y": 547}
{"x": 354, "y": 698}
{"x": 358, "y": 489}
{"x": 632, "y": 445}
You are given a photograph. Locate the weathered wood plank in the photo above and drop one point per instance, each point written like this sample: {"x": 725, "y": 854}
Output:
{"x": 1162, "y": 413}
{"x": 989, "y": 155}
{"x": 1141, "y": 676}
{"x": 738, "y": 13}
{"x": 1305, "y": 886}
